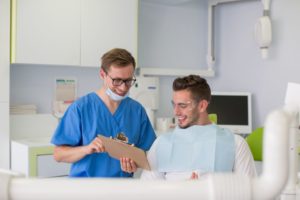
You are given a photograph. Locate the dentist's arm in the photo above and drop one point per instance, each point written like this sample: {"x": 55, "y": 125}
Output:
{"x": 71, "y": 154}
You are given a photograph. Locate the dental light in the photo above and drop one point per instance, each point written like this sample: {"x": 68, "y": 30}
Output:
{"x": 263, "y": 30}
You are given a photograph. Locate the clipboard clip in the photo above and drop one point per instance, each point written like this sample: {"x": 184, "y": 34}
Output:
{"x": 122, "y": 138}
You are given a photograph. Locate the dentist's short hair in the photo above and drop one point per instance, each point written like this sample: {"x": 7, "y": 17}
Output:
{"x": 118, "y": 57}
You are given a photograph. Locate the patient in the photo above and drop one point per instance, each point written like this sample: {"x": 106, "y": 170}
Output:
{"x": 196, "y": 146}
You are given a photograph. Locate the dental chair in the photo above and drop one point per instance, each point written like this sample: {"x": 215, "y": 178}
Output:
{"x": 213, "y": 118}
{"x": 255, "y": 142}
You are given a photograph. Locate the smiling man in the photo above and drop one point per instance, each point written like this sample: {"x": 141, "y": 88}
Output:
{"x": 109, "y": 112}
{"x": 196, "y": 146}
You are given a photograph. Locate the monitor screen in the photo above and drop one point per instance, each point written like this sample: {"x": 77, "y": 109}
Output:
{"x": 233, "y": 111}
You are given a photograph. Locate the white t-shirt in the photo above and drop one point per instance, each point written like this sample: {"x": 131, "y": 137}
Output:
{"x": 243, "y": 164}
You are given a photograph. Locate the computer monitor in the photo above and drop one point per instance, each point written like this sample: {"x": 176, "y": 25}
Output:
{"x": 233, "y": 109}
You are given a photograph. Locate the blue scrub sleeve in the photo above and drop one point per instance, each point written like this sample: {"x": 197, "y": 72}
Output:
{"x": 147, "y": 133}
{"x": 68, "y": 131}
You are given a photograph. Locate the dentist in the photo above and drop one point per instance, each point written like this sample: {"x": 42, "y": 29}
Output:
{"x": 108, "y": 111}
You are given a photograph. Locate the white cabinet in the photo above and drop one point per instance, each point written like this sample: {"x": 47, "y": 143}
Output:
{"x": 106, "y": 24}
{"x": 4, "y": 82}
{"x": 4, "y": 50}
{"x": 48, "y": 32}
{"x": 33, "y": 157}
{"x": 73, "y": 32}
{"x": 31, "y": 151}
{"x": 48, "y": 167}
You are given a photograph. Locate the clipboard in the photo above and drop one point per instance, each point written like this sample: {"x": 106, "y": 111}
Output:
{"x": 118, "y": 149}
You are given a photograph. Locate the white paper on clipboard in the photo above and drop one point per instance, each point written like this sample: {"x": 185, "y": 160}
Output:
{"x": 118, "y": 149}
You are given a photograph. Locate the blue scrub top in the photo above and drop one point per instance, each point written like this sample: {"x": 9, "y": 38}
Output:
{"x": 87, "y": 117}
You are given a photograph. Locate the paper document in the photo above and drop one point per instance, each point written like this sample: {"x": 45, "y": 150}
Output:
{"x": 118, "y": 149}
{"x": 65, "y": 89}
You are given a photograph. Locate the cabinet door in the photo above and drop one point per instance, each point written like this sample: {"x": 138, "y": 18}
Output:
{"x": 48, "y": 32}
{"x": 4, "y": 83}
{"x": 4, "y": 51}
{"x": 48, "y": 167}
{"x": 107, "y": 24}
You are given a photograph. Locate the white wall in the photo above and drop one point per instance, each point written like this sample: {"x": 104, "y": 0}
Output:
{"x": 175, "y": 36}
{"x": 239, "y": 66}
{"x": 34, "y": 84}
{"x": 4, "y": 84}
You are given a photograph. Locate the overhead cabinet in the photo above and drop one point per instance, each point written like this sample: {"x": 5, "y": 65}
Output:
{"x": 48, "y": 32}
{"x": 73, "y": 32}
{"x": 106, "y": 24}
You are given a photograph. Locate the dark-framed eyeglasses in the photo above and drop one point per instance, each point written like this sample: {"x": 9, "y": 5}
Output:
{"x": 117, "y": 81}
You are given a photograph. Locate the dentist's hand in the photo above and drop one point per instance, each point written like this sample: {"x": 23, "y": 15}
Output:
{"x": 96, "y": 146}
{"x": 128, "y": 165}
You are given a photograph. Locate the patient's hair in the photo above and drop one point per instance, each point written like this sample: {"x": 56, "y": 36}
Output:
{"x": 198, "y": 87}
{"x": 118, "y": 57}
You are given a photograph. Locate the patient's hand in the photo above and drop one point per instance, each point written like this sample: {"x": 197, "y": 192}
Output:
{"x": 194, "y": 176}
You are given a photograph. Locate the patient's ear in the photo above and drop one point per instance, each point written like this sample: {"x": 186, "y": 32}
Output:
{"x": 203, "y": 105}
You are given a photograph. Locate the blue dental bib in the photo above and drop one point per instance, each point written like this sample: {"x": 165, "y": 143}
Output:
{"x": 206, "y": 148}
